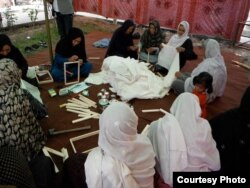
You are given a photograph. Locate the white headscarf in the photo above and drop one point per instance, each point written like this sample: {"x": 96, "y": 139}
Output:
{"x": 169, "y": 145}
{"x": 131, "y": 153}
{"x": 201, "y": 147}
{"x": 213, "y": 64}
{"x": 176, "y": 40}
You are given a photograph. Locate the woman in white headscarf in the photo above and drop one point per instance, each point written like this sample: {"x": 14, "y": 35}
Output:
{"x": 213, "y": 64}
{"x": 182, "y": 140}
{"x": 178, "y": 43}
{"x": 170, "y": 148}
{"x": 124, "y": 159}
{"x": 202, "y": 153}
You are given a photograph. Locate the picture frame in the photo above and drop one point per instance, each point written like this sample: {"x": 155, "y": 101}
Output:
{"x": 44, "y": 77}
{"x": 66, "y": 82}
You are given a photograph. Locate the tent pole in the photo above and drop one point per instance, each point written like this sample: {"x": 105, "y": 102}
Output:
{"x": 48, "y": 30}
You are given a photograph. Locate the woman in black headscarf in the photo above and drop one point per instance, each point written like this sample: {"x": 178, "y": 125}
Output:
{"x": 121, "y": 43}
{"x": 151, "y": 42}
{"x": 70, "y": 49}
{"x": 8, "y": 50}
{"x": 231, "y": 131}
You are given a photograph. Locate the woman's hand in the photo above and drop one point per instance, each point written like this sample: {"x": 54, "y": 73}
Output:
{"x": 178, "y": 74}
{"x": 180, "y": 49}
{"x": 152, "y": 49}
{"x": 73, "y": 58}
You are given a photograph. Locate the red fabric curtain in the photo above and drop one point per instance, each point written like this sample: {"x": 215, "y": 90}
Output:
{"x": 219, "y": 18}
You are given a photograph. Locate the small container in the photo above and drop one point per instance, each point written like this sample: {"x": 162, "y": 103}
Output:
{"x": 106, "y": 94}
{"x": 103, "y": 102}
{"x": 112, "y": 96}
{"x": 52, "y": 92}
{"x": 99, "y": 95}
{"x": 85, "y": 93}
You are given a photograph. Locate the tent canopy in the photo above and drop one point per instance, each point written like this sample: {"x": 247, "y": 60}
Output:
{"x": 218, "y": 18}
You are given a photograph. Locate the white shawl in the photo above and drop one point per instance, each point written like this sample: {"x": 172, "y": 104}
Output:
{"x": 214, "y": 65}
{"x": 201, "y": 147}
{"x": 126, "y": 155}
{"x": 169, "y": 145}
{"x": 131, "y": 79}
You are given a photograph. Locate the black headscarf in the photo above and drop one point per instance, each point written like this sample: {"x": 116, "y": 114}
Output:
{"x": 120, "y": 41}
{"x": 65, "y": 48}
{"x": 14, "y": 54}
{"x": 148, "y": 40}
{"x": 231, "y": 131}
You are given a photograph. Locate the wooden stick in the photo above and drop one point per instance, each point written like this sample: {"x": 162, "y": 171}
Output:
{"x": 82, "y": 119}
{"x": 78, "y": 103}
{"x": 77, "y": 112}
{"x": 65, "y": 153}
{"x": 242, "y": 64}
{"x": 163, "y": 111}
{"x": 46, "y": 153}
{"x": 73, "y": 103}
{"x": 84, "y": 135}
{"x": 54, "y": 151}
{"x": 93, "y": 115}
{"x": 87, "y": 99}
{"x": 91, "y": 103}
{"x": 62, "y": 105}
{"x": 81, "y": 102}
{"x": 151, "y": 110}
{"x": 77, "y": 108}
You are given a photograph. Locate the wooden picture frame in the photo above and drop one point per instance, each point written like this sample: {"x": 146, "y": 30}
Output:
{"x": 66, "y": 72}
{"x": 44, "y": 77}
{"x": 72, "y": 140}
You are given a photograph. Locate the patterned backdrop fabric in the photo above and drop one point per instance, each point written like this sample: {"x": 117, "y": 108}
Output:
{"x": 219, "y": 18}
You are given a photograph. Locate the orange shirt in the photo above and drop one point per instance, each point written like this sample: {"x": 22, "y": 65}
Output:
{"x": 203, "y": 102}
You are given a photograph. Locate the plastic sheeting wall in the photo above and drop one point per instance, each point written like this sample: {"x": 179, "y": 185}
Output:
{"x": 218, "y": 18}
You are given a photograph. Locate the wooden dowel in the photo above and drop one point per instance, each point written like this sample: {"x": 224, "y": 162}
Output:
{"x": 151, "y": 110}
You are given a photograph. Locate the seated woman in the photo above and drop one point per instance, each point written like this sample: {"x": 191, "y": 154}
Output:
{"x": 213, "y": 64}
{"x": 124, "y": 158}
{"x": 121, "y": 43}
{"x": 8, "y": 50}
{"x": 231, "y": 131}
{"x": 183, "y": 142}
{"x": 182, "y": 43}
{"x": 151, "y": 42}
{"x": 19, "y": 127}
{"x": 70, "y": 49}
